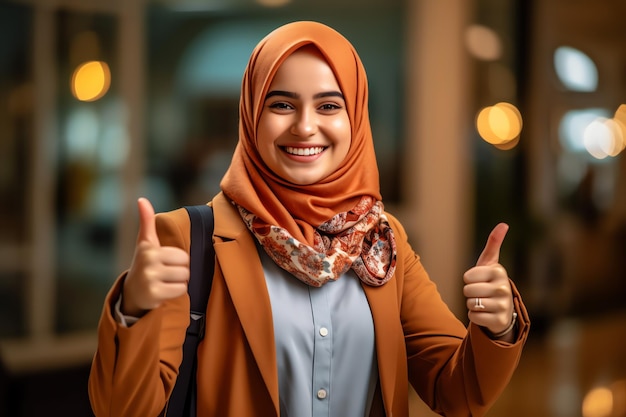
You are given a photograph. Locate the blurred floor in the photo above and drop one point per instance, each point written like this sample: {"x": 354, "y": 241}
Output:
{"x": 561, "y": 366}
{"x": 56, "y": 393}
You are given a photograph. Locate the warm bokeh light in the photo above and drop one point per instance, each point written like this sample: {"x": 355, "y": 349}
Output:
{"x": 598, "y": 403}
{"x": 620, "y": 113}
{"x": 91, "y": 81}
{"x": 273, "y": 3}
{"x": 604, "y": 137}
{"x": 616, "y": 141}
{"x": 500, "y": 125}
{"x": 620, "y": 118}
{"x": 483, "y": 43}
{"x": 596, "y": 137}
{"x": 507, "y": 145}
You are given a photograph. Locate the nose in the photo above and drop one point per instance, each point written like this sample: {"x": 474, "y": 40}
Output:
{"x": 305, "y": 123}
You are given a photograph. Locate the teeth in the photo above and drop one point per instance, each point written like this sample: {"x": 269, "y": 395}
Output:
{"x": 304, "y": 151}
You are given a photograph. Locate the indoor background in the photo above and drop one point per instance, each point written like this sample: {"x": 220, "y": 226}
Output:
{"x": 482, "y": 111}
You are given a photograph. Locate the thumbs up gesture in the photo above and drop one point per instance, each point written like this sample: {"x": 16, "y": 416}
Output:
{"x": 157, "y": 273}
{"x": 487, "y": 287}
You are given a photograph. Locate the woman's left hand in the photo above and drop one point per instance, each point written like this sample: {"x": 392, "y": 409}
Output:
{"x": 487, "y": 287}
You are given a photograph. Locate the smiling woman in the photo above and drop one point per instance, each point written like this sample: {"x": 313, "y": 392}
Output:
{"x": 351, "y": 314}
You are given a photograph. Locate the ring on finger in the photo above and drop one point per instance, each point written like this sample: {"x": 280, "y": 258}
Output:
{"x": 479, "y": 304}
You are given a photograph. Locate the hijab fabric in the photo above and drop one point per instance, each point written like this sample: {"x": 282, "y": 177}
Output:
{"x": 316, "y": 231}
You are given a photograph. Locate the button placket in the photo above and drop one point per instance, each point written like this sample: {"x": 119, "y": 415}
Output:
{"x": 322, "y": 357}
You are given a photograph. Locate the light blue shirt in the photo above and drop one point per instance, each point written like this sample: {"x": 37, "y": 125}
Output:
{"x": 324, "y": 345}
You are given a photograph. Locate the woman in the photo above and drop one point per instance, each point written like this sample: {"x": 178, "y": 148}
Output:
{"x": 319, "y": 306}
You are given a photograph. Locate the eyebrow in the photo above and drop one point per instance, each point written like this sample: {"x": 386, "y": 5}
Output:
{"x": 296, "y": 95}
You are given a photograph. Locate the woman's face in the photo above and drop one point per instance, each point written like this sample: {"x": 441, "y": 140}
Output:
{"x": 304, "y": 131}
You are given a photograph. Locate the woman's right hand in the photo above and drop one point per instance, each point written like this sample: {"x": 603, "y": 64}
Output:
{"x": 157, "y": 273}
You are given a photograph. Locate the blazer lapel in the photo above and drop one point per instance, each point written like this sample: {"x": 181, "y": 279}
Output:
{"x": 383, "y": 304}
{"x": 241, "y": 266}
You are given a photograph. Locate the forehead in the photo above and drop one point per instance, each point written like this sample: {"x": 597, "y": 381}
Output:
{"x": 306, "y": 66}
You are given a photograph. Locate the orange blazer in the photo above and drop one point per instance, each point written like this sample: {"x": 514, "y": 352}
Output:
{"x": 456, "y": 371}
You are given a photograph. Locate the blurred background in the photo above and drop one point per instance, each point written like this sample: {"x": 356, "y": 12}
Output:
{"x": 482, "y": 111}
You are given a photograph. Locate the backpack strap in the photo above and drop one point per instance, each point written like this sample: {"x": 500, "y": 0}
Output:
{"x": 182, "y": 402}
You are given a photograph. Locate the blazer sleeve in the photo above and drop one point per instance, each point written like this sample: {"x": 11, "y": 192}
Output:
{"x": 457, "y": 371}
{"x": 134, "y": 368}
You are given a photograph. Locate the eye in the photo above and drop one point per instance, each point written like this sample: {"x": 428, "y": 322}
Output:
{"x": 280, "y": 106}
{"x": 330, "y": 107}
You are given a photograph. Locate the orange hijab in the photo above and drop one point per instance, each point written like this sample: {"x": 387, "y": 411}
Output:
{"x": 300, "y": 209}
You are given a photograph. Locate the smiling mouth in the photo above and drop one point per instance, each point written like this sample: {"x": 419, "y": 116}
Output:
{"x": 314, "y": 150}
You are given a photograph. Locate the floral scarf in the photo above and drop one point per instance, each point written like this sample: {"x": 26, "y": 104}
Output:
{"x": 360, "y": 239}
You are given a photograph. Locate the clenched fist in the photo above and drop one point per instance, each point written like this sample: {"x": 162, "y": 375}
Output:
{"x": 157, "y": 273}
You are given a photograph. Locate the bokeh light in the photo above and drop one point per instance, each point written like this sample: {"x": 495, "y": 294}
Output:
{"x": 620, "y": 114}
{"x": 273, "y": 3}
{"x": 500, "y": 125}
{"x": 483, "y": 43}
{"x": 576, "y": 70}
{"x": 598, "y": 403}
{"x": 82, "y": 130}
{"x": 620, "y": 119}
{"x": 91, "y": 81}
{"x": 573, "y": 124}
{"x": 605, "y": 137}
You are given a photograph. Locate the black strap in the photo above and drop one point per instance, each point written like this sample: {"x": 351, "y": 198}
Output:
{"x": 182, "y": 402}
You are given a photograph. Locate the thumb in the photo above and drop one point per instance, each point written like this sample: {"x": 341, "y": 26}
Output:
{"x": 491, "y": 253}
{"x": 147, "y": 225}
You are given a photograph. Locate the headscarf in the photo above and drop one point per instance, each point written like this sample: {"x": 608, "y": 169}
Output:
{"x": 337, "y": 222}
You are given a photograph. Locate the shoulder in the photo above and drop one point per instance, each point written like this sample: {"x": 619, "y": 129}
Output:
{"x": 228, "y": 222}
{"x": 173, "y": 228}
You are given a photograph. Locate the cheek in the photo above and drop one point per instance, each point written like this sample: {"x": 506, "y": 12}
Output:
{"x": 270, "y": 128}
{"x": 343, "y": 134}
{"x": 267, "y": 131}
{"x": 264, "y": 141}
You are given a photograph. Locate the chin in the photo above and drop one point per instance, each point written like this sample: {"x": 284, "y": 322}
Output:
{"x": 302, "y": 180}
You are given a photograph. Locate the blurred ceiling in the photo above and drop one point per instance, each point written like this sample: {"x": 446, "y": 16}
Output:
{"x": 220, "y": 6}
{"x": 251, "y": 5}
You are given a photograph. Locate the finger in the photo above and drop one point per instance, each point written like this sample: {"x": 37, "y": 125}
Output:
{"x": 176, "y": 274}
{"x": 479, "y": 289}
{"x": 491, "y": 253}
{"x": 478, "y": 304}
{"x": 485, "y": 273}
{"x": 173, "y": 256}
{"x": 170, "y": 290}
{"x": 147, "y": 225}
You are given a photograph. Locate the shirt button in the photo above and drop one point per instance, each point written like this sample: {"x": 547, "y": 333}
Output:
{"x": 321, "y": 394}
{"x": 324, "y": 331}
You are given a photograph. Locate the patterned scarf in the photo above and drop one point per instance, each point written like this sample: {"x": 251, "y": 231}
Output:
{"x": 360, "y": 239}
